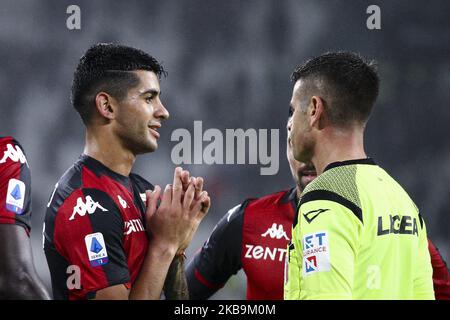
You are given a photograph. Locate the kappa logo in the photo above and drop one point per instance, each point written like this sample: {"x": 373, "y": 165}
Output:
{"x": 276, "y": 232}
{"x": 311, "y": 215}
{"x": 14, "y": 154}
{"x": 90, "y": 206}
{"x": 123, "y": 203}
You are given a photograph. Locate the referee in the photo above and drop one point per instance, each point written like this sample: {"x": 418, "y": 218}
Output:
{"x": 357, "y": 235}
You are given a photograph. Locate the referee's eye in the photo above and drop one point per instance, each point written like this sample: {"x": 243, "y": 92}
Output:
{"x": 291, "y": 111}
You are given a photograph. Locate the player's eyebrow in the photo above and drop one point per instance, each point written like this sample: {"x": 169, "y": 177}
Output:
{"x": 153, "y": 92}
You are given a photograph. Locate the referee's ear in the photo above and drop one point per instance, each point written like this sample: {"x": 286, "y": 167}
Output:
{"x": 103, "y": 104}
{"x": 316, "y": 112}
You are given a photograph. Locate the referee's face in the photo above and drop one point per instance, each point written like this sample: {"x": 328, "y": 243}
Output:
{"x": 300, "y": 136}
{"x": 302, "y": 173}
{"x": 140, "y": 115}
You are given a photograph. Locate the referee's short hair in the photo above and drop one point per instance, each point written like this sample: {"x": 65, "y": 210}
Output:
{"x": 346, "y": 82}
{"x": 108, "y": 67}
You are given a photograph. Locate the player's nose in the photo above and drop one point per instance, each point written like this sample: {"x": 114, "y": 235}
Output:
{"x": 161, "y": 112}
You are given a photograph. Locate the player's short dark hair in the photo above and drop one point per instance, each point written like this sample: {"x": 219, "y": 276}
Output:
{"x": 348, "y": 81}
{"x": 106, "y": 67}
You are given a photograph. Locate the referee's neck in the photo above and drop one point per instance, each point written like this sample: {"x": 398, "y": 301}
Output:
{"x": 337, "y": 145}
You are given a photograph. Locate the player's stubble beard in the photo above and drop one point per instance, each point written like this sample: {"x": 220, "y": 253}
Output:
{"x": 136, "y": 137}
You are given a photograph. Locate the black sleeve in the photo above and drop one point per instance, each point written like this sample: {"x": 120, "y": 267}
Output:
{"x": 219, "y": 258}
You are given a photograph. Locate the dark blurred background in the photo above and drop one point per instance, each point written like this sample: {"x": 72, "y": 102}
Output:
{"x": 229, "y": 64}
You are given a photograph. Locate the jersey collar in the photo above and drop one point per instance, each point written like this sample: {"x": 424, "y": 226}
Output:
{"x": 100, "y": 169}
{"x": 290, "y": 195}
{"x": 336, "y": 164}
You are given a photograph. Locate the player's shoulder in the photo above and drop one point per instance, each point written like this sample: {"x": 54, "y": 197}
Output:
{"x": 5, "y": 140}
{"x": 75, "y": 186}
{"x": 338, "y": 182}
{"x": 142, "y": 183}
{"x": 272, "y": 200}
{"x": 11, "y": 149}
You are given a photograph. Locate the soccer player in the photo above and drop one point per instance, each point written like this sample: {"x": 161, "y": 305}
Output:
{"x": 357, "y": 234}
{"x": 105, "y": 236}
{"x": 253, "y": 236}
{"x": 18, "y": 277}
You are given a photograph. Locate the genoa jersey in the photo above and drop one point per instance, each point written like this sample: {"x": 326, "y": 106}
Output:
{"x": 94, "y": 228}
{"x": 252, "y": 236}
{"x": 358, "y": 235}
{"x": 15, "y": 184}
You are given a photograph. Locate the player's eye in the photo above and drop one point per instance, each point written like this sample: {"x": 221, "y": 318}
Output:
{"x": 149, "y": 99}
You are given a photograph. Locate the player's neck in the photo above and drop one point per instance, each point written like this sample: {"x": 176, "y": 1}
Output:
{"x": 109, "y": 151}
{"x": 336, "y": 146}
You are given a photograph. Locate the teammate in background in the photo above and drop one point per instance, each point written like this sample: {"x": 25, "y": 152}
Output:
{"x": 357, "y": 235}
{"x": 18, "y": 277}
{"x": 254, "y": 235}
{"x": 441, "y": 274}
{"x": 105, "y": 236}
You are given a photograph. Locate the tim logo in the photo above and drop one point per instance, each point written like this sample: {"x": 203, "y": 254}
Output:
{"x": 276, "y": 232}
{"x": 86, "y": 207}
{"x": 14, "y": 154}
{"x": 316, "y": 253}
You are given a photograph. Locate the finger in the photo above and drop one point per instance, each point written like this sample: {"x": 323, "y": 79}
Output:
{"x": 198, "y": 187}
{"x": 152, "y": 201}
{"x": 185, "y": 179}
{"x": 167, "y": 196}
{"x": 206, "y": 203}
{"x": 177, "y": 187}
{"x": 189, "y": 196}
{"x": 202, "y": 206}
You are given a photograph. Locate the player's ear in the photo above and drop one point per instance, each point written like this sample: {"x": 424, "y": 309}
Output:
{"x": 104, "y": 104}
{"x": 316, "y": 111}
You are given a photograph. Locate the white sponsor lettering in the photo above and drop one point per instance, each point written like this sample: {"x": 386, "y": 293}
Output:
{"x": 276, "y": 232}
{"x": 259, "y": 252}
{"x": 134, "y": 225}
{"x": 86, "y": 207}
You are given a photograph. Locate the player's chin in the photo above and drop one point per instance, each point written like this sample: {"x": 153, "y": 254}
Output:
{"x": 149, "y": 145}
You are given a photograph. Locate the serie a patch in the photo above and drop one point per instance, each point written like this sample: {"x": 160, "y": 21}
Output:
{"x": 316, "y": 253}
{"x": 15, "y": 196}
{"x": 96, "y": 249}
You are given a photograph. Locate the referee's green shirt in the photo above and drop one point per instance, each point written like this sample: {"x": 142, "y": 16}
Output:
{"x": 357, "y": 235}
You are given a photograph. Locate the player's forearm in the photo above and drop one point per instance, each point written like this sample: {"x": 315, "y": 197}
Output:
{"x": 175, "y": 286}
{"x": 22, "y": 285}
{"x": 150, "y": 281}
